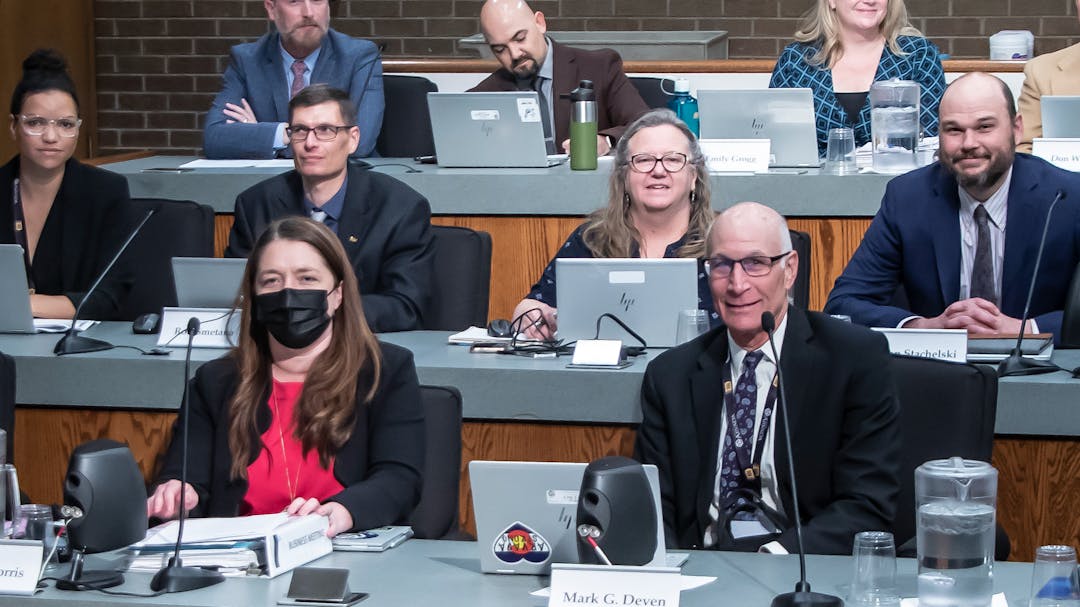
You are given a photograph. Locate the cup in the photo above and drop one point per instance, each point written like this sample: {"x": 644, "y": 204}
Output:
{"x": 873, "y": 582}
{"x": 840, "y": 152}
{"x": 691, "y": 324}
{"x": 35, "y": 522}
{"x": 1052, "y": 582}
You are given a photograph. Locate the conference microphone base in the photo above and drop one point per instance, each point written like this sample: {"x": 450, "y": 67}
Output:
{"x": 77, "y": 344}
{"x": 804, "y": 597}
{"x": 182, "y": 579}
{"x": 1016, "y": 364}
{"x": 91, "y": 580}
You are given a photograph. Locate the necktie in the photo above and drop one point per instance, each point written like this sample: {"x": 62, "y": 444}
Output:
{"x": 318, "y": 215}
{"x": 545, "y": 116}
{"x": 739, "y": 438}
{"x": 298, "y": 70}
{"x": 982, "y": 271}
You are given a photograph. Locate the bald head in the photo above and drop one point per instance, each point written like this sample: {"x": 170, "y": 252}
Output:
{"x": 515, "y": 34}
{"x": 752, "y": 220}
{"x": 978, "y": 85}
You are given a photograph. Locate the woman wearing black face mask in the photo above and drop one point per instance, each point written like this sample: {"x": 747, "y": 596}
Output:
{"x": 309, "y": 413}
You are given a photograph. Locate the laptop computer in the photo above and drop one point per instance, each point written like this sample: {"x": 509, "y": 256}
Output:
{"x": 207, "y": 282}
{"x": 15, "y": 315}
{"x": 489, "y": 130}
{"x": 1060, "y": 116}
{"x": 542, "y": 504}
{"x": 646, "y": 294}
{"x": 783, "y": 116}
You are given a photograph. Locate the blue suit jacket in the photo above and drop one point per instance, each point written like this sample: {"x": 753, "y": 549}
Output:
{"x": 914, "y": 242}
{"x": 256, "y": 73}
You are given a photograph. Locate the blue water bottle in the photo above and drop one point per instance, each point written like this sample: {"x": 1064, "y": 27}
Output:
{"x": 684, "y": 105}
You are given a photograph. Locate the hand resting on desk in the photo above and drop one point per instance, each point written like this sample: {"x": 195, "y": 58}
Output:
{"x": 977, "y": 315}
{"x": 532, "y": 326}
{"x": 340, "y": 519}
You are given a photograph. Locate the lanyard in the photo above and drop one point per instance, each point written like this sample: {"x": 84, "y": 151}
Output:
{"x": 751, "y": 469}
{"x": 20, "y": 231}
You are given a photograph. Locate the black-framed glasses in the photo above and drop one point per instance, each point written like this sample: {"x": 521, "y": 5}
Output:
{"x": 673, "y": 162}
{"x": 35, "y": 125}
{"x": 323, "y": 132}
{"x": 719, "y": 266}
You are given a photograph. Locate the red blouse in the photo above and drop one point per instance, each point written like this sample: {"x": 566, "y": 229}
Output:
{"x": 281, "y": 472}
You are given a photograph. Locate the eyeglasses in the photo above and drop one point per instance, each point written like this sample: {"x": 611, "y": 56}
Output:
{"x": 323, "y": 132}
{"x": 673, "y": 162}
{"x": 35, "y": 125}
{"x": 757, "y": 265}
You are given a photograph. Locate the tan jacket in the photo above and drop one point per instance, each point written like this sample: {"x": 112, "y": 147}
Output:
{"x": 1056, "y": 73}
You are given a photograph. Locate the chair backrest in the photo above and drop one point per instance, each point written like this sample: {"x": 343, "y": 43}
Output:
{"x": 1070, "y": 321}
{"x": 462, "y": 279}
{"x": 652, "y": 90}
{"x": 946, "y": 409}
{"x": 800, "y": 291}
{"x": 436, "y": 516}
{"x": 179, "y": 228}
{"x": 7, "y": 402}
{"x": 406, "y": 126}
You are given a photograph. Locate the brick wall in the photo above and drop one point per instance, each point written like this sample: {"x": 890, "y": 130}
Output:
{"x": 159, "y": 61}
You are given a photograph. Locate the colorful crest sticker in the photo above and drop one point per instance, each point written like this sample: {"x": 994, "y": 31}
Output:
{"x": 518, "y": 542}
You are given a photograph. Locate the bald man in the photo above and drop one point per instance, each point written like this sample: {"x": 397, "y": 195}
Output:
{"x": 533, "y": 62}
{"x": 961, "y": 235}
{"x": 709, "y": 410}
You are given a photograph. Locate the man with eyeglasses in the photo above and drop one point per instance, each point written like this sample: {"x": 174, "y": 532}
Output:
{"x": 383, "y": 224}
{"x": 533, "y": 62}
{"x": 247, "y": 118}
{"x": 709, "y": 410}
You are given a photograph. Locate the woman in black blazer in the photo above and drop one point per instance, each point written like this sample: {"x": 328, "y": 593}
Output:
{"x": 69, "y": 218}
{"x": 309, "y": 413}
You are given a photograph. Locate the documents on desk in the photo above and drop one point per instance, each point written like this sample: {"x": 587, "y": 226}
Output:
{"x": 957, "y": 345}
{"x": 205, "y": 163}
{"x": 60, "y": 325}
{"x": 285, "y": 541}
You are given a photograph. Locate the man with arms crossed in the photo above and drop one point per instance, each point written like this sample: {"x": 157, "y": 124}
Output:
{"x": 248, "y": 116}
{"x": 961, "y": 235}
{"x": 384, "y": 224}
{"x": 709, "y": 409}
{"x": 533, "y": 62}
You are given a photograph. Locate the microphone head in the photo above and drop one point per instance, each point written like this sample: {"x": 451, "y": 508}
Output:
{"x": 768, "y": 322}
{"x": 193, "y": 326}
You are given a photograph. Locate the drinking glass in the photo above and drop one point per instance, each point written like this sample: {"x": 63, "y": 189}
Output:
{"x": 1052, "y": 577}
{"x": 691, "y": 324}
{"x": 874, "y": 581}
{"x": 840, "y": 152}
{"x": 9, "y": 497}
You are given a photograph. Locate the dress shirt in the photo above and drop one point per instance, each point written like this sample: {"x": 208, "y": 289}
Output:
{"x": 996, "y": 207}
{"x": 333, "y": 207}
{"x": 286, "y": 62}
{"x": 763, "y": 375}
{"x": 546, "y": 73}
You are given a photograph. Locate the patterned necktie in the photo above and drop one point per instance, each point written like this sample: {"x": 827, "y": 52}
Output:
{"x": 982, "y": 271}
{"x": 545, "y": 115}
{"x": 740, "y": 436}
{"x": 318, "y": 215}
{"x": 299, "y": 68}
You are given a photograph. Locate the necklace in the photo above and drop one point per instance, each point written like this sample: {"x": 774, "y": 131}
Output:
{"x": 284, "y": 456}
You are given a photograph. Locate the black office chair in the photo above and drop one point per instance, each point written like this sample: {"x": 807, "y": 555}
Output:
{"x": 7, "y": 402}
{"x": 1070, "y": 321}
{"x": 179, "y": 228}
{"x": 436, "y": 516}
{"x": 406, "y": 126}
{"x": 800, "y": 291}
{"x": 462, "y": 277}
{"x": 652, "y": 90}
{"x": 946, "y": 409}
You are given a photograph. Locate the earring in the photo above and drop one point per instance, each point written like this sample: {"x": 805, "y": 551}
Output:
{"x": 693, "y": 196}
{"x": 626, "y": 199}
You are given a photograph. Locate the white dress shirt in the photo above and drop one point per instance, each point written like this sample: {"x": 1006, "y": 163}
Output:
{"x": 997, "y": 207}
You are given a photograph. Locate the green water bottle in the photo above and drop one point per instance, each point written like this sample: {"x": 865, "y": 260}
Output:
{"x": 583, "y": 127}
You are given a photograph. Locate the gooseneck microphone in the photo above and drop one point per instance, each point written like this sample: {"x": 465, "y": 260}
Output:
{"x": 175, "y": 577}
{"x": 802, "y": 596}
{"x": 1016, "y": 364}
{"x": 71, "y": 342}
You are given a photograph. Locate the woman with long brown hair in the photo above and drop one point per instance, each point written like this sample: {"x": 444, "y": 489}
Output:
{"x": 309, "y": 413}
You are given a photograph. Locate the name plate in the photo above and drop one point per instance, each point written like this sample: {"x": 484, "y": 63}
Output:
{"x": 218, "y": 327}
{"x": 622, "y": 586}
{"x": 940, "y": 344}
{"x": 597, "y": 352}
{"x": 20, "y": 561}
{"x": 1064, "y": 153}
{"x": 736, "y": 155}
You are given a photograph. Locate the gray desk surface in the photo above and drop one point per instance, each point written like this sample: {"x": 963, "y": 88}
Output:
{"x": 494, "y": 387}
{"x": 803, "y": 193}
{"x": 447, "y": 573}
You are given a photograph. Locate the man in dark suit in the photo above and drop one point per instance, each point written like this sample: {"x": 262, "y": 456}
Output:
{"x": 532, "y": 61}
{"x": 247, "y": 118}
{"x": 383, "y": 223}
{"x": 709, "y": 423}
{"x": 941, "y": 230}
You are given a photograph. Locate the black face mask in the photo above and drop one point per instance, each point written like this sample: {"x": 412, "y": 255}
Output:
{"x": 295, "y": 317}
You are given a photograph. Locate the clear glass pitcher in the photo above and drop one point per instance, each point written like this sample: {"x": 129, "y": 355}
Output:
{"x": 956, "y": 502}
{"x": 894, "y": 125}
